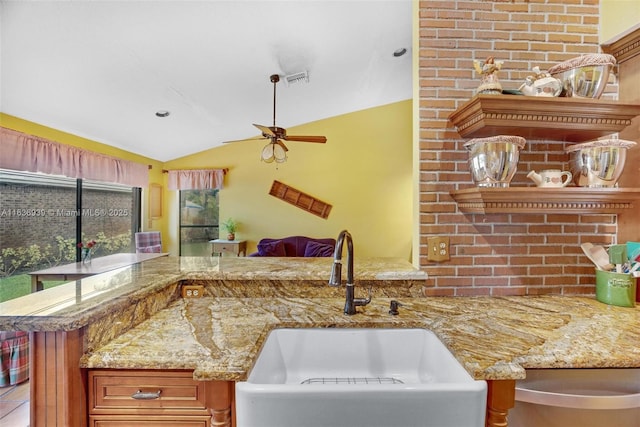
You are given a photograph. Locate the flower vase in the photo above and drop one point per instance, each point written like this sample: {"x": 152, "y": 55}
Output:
{"x": 86, "y": 255}
{"x": 231, "y": 236}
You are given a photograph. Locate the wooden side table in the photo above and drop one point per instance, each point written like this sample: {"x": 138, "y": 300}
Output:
{"x": 218, "y": 246}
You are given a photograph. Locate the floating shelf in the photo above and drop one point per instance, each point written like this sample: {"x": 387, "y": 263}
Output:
{"x": 567, "y": 200}
{"x": 625, "y": 46}
{"x": 558, "y": 119}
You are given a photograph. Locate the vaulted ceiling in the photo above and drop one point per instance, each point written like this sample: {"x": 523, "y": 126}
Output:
{"x": 102, "y": 69}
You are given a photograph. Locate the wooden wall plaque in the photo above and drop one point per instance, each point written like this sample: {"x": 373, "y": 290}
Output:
{"x": 299, "y": 199}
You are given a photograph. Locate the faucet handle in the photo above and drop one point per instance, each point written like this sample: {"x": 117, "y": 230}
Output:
{"x": 362, "y": 301}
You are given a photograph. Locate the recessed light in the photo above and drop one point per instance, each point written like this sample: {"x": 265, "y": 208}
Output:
{"x": 162, "y": 113}
{"x": 399, "y": 52}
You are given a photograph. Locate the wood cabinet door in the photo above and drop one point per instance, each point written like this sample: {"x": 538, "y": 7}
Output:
{"x": 147, "y": 421}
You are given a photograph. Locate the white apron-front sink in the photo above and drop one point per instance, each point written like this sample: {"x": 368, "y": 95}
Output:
{"x": 358, "y": 377}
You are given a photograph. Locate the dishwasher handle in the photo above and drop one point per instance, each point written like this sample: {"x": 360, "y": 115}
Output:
{"x": 578, "y": 401}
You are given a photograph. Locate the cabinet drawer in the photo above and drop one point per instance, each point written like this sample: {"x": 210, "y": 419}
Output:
{"x": 173, "y": 392}
{"x": 149, "y": 421}
{"x": 221, "y": 247}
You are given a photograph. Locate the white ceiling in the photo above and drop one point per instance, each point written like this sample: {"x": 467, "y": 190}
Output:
{"x": 101, "y": 69}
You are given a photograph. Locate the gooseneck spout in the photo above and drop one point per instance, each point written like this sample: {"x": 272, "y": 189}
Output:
{"x": 336, "y": 274}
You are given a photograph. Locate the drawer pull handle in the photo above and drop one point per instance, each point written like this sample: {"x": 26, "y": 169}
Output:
{"x": 146, "y": 395}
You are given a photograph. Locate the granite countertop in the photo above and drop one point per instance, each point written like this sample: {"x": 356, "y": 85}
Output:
{"x": 152, "y": 285}
{"x": 493, "y": 337}
{"x": 135, "y": 318}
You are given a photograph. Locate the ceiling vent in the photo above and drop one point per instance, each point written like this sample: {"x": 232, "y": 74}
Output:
{"x": 301, "y": 77}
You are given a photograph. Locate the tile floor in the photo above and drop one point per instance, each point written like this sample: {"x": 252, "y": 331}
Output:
{"x": 14, "y": 406}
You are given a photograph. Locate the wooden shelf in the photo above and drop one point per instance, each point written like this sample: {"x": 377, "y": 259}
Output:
{"x": 625, "y": 46}
{"x": 557, "y": 119}
{"x": 567, "y": 200}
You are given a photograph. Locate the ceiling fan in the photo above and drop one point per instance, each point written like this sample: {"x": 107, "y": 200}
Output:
{"x": 275, "y": 150}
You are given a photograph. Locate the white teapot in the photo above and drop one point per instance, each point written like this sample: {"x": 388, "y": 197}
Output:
{"x": 541, "y": 84}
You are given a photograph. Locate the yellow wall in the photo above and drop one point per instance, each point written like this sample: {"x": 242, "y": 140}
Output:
{"x": 364, "y": 171}
{"x": 31, "y": 128}
{"x": 415, "y": 111}
{"x": 617, "y": 16}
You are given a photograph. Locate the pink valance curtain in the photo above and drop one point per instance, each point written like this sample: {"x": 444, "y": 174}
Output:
{"x": 29, "y": 153}
{"x": 203, "y": 179}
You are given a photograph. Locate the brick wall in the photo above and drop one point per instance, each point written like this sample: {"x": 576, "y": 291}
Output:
{"x": 18, "y": 230}
{"x": 517, "y": 254}
{"x": 112, "y": 214}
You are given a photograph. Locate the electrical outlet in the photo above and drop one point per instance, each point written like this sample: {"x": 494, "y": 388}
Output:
{"x": 192, "y": 291}
{"x": 438, "y": 248}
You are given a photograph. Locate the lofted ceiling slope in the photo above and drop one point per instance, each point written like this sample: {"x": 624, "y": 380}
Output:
{"x": 102, "y": 69}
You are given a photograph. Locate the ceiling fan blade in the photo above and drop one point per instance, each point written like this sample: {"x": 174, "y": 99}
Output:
{"x": 266, "y": 130}
{"x": 281, "y": 144}
{"x": 318, "y": 139}
{"x": 246, "y": 139}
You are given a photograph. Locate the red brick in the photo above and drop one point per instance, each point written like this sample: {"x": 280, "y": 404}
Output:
{"x": 473, "y": 291}
{"x": 508, "y": 291}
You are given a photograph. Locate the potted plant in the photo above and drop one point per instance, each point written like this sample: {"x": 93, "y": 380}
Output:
{"x": 231, "y": 226}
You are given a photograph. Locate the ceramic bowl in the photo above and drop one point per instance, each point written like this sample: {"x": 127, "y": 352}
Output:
{"x": 585, "y": 76}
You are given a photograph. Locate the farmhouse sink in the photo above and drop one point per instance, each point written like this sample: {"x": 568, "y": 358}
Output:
{"x": 358, "y": 377}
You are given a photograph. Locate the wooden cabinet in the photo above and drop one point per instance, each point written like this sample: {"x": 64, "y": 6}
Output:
{"x": 149, "y": 422}
{"x": 119, "y": 398}
{"x": 557, "y": 119}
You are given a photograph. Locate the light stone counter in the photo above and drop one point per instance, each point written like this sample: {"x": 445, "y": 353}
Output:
{"x": 494, "y": 338}
{"x": 134, "y": 318}
{"x": 141, "y": 290}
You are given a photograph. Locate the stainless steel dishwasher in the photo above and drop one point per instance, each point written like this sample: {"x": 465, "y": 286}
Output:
{"x": 577, "y": 398}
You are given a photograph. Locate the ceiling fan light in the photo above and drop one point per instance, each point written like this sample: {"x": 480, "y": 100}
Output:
{"x": 279, "y": 153}
{"x": 268, "y": 155}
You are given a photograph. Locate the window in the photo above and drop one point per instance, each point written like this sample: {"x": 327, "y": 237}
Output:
{"x": 43, "y": 216}
{"x": 109, "y": 215}
{"x": 199, "y": 221}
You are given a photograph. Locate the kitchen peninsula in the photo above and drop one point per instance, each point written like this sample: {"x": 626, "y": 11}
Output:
{"x": 134, "y": 320}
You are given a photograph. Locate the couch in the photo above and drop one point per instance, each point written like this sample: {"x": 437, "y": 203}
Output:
{"x": 295, "y": 246}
